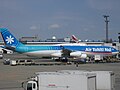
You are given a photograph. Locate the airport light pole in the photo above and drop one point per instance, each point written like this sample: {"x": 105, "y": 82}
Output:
{"x": 119, "y": 37}
{"x": 106, "y": 21}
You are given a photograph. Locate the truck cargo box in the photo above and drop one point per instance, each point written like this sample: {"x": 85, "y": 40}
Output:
{"x": 73, "y": 80}
{"x": 105, "y": 80}
{"x": 62, "y": 81}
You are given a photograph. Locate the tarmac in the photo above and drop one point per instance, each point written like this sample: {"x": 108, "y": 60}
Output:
{"x": 11, "y": 77}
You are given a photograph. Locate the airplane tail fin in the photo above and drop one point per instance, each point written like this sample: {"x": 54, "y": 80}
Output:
{"x": 75, "y": 39}
{"x": 9, "y": 39}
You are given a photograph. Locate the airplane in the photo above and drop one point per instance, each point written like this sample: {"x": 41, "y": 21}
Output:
{"x": 56, "y": 50}
{"x": 75, "y": 39}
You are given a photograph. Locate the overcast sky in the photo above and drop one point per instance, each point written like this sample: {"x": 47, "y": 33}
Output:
{"x": 61, "y": 18}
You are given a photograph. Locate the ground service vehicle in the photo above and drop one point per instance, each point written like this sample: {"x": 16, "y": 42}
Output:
{"x": 72, "y": 80}
{"x": 13, "y": 62}
{"x": 62, "y": 81}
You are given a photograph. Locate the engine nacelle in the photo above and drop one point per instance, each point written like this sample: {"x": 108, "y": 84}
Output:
{"x": 76, "y": 54}
{"x": 83, "y": 56}
{"x": 57, "y": 54}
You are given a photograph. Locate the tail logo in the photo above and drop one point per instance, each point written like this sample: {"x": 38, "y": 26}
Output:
{"x": 9, "y": 39}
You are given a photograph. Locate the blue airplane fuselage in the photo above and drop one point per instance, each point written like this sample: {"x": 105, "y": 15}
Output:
{"x": 53, "y": 50}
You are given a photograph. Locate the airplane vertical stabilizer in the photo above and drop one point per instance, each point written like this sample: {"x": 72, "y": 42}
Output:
{"x": 8, "y": 38}
{"x": 74, "y": 38}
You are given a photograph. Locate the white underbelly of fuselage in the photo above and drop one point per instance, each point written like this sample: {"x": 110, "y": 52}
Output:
{"x": 45, "y": 53}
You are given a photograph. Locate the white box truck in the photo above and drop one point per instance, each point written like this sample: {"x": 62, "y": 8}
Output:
{"x": 62, "y": 81}
{"x": 105, "y": 80}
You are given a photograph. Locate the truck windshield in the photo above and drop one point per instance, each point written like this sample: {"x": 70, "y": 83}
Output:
{"x": 29, "y": 86}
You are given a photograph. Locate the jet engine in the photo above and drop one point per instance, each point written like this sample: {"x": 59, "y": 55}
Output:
{"x": 59, "y": 54}
{"x": 83, "y": 56}
{"x": 78, "y": 54}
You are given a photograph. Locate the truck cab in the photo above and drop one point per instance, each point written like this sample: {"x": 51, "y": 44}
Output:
{"x": 31, "y": 85}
